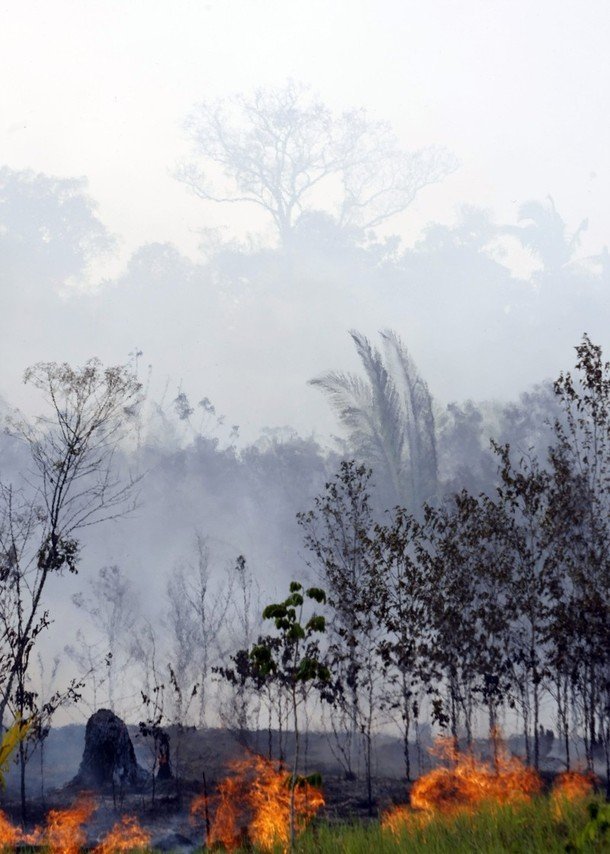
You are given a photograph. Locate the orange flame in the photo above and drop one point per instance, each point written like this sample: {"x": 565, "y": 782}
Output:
{"x": 64, "y": 832}
{"x": 226, "y": 829}
{"x": 126, "y": 835}
{"x": 570, "y": 786}
{"x": 9, "y": 834}
{"x": 464, "y": 786}
{"x": 253, "y": 804}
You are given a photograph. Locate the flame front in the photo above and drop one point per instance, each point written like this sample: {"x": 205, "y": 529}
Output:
{"x": 570, "y": 786}
{"x": 64, "y": 833}
{"x": 10, "y": 835}
{"x": 253, "y": 804}
{"x": 126, "y": 835}
{"x": 466, "y": 784}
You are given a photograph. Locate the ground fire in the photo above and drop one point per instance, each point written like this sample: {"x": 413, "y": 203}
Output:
{"x": 64, "y": 832}
{"x": 465, "y": 783}
{"x": 253, "y": 805}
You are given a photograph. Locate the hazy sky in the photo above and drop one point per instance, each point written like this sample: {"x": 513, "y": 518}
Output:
{"x": 517, "y": 90}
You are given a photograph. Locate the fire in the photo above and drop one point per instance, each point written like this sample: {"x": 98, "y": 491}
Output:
{"x": 570, "y": 786}
{"x": 465, "y": 785}
{"x": 64, "y": 833}
{"x": 9, "y": 834}
{"x": 253, "y": 804}
{"x": 226, "y": 828}
{"x": 126, "y": 835}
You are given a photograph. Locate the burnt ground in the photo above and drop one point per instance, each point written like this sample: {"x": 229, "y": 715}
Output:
{"x": 194, "y": 753}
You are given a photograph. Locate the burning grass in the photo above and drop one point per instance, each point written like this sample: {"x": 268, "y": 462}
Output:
{"x": 465, "y": 804}
{"x": 469, "y": 803}
{"x": 252, "y": 806}
{"x": 64, "y": 832}
{"x": 465, "y": 785}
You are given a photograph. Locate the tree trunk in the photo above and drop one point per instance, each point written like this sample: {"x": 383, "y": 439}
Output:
{"x": 22, "y": 782}
{"x": 295, "y": 770}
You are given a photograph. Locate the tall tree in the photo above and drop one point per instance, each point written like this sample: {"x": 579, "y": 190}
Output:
{"x": 544, "y": 233}
{"x": 277, "y": 148}
{"x": 74, "y": 484}
{"x": 402, "y": 607}
{"x": 583, "y": 449}
{"x": 389, "y": 418}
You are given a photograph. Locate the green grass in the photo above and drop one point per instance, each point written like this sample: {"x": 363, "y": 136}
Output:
{"x": 528, "y": 829}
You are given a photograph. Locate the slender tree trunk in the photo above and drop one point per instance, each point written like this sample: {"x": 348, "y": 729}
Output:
{"x": 536, "y": 702}
{"x": 406, "y": 716}
{"x": 526, "y": 723}
{"x": 418, "y": 749}
{"x": 22, "y": 782}
{"x": 295, "y": 770}
{"x": 369, "y": 768}
{"x": 42, "y": 793}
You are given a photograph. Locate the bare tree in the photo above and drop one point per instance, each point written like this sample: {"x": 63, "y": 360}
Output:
{"x": 89, "y": 658}
{"x": 197, "y": 611}
{"x": 112, "y": 608}
{"x": 73, "y": 484}
{"x": 279, "y": 146}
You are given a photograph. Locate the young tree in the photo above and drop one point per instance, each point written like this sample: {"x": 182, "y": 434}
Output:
{"x": 294, "y": 660}
{"x": 198, "y": 607}
{"x": 402, "y": 607}
{"x": 244, "y": 624}
{"x": 338, "y": 532}
{"x": 527, "y": 526}
{"x": 582, "y": 457}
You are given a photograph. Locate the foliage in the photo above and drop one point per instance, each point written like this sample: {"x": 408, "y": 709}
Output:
{"x": 14, "y": 735}
{"x": 597, "y": 830}
{"x": 389, "y": 418}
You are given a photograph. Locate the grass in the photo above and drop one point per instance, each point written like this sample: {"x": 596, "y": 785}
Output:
{"x": 531, "y": 828}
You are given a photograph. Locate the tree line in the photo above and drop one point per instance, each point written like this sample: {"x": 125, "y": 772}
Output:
{"x": 479, "y": 604}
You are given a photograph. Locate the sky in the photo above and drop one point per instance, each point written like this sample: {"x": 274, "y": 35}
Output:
{"x": 516, "y": 90}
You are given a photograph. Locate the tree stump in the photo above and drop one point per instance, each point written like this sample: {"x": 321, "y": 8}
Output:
{"x": 109, "y": 760}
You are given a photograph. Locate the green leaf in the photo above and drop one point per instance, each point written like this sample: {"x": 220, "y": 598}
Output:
{"x": 275, "y": 610}
{"x": 316, "y": 623}
{"x": 307, "y": 670}
{"x": 296, "y": 632}
{"x": 318, "y": 594}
